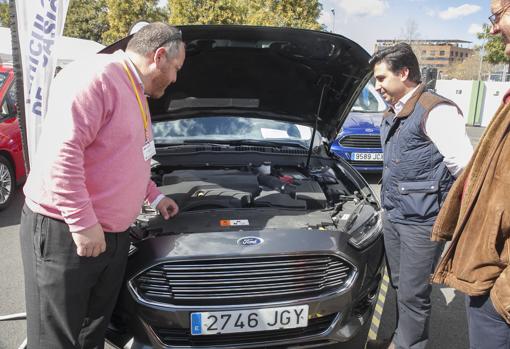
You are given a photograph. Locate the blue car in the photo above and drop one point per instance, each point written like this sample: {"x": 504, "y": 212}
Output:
{"x": 359, "y": 139}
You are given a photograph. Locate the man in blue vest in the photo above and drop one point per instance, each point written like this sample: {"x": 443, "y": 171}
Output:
{"x": 425, "y": 148}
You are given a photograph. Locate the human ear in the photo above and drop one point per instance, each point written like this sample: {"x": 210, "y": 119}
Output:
{"x": 159, "y": 55}
{"x": 404, "y": 74}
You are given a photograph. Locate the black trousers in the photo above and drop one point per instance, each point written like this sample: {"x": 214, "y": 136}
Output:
{"x": 487, "y": 329}
{"x": 69, "y": 299}
{"x": 411, "y": 258}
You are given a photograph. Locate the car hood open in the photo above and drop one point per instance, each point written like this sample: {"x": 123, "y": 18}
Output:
{"x": 268, "y": 72}
{"x": 363, "y": 120}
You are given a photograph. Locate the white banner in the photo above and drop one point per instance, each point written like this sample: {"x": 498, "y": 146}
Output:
{"x": 40, "y": 24}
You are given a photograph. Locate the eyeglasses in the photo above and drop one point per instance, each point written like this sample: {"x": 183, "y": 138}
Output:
{"x": 496, "y": 17}
{"x": 174, "y": 37}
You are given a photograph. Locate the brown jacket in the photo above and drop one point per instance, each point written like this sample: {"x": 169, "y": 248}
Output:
{"x": 476, "y": 217}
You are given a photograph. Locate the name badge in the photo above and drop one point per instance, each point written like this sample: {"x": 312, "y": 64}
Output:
{"x": 149, "y": 150}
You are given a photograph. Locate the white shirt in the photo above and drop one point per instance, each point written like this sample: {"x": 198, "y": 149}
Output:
{"x": 446, "y": 128}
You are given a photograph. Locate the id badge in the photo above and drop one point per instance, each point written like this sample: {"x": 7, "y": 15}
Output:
{"x": 149, "y": 150}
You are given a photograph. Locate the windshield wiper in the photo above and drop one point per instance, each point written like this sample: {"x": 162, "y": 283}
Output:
{"x": 255, "y": 142}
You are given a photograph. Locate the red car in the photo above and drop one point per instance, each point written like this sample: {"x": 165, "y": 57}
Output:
{"x": 12, "y": 167}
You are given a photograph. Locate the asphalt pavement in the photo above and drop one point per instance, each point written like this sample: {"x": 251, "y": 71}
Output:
{"x": 448, "y": 323}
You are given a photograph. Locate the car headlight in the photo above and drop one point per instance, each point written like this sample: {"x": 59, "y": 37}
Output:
{"x": 132, "y": 249}
{"x": 367, "y": 233}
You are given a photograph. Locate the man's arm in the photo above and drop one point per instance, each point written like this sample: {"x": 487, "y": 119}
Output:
{"x": 90, "y": 242}
{"x": 447, "y": 130}
{"x": 166, "y": 206}
{"x": 74, "y": 119}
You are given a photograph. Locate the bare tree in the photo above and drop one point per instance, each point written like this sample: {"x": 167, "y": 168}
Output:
{"x": 409, "y": 33}
{"x": 469, "y": 69}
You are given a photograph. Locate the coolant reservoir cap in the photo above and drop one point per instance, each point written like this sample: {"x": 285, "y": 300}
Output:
{"x": 265, "y": 168}
{"x": 287, "y": 179}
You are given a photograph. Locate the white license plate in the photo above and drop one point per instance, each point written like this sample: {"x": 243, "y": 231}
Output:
{"x": 249, "y": 320}
{"x": 367, "y": 156}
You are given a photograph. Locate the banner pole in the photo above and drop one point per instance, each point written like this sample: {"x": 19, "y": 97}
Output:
{"x": 18, "y": 76}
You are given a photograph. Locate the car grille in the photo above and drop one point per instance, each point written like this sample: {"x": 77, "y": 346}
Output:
{"x": 182, "y": 336}
{"x": 366, "y": 163}
{"x": 242, "y": 280}
{"x": 361, "y": 141}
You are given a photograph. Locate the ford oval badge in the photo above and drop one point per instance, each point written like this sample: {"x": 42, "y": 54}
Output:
{"x": 250, "y": 241}
{"x": 369, "y": 130}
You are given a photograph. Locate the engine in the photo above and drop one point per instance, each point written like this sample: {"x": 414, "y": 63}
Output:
{"x": 262, "y": 186}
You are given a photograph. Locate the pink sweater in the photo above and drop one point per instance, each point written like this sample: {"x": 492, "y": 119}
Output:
{"x": 89, "y": 165}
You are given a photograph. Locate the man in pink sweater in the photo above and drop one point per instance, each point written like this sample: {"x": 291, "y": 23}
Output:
{"x": 90, "y": 177}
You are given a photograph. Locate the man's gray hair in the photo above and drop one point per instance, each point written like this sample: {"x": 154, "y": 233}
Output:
{"x": 155, "y": 35}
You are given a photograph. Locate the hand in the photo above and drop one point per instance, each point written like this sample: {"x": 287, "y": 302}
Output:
{"x": 167, "y": 207}
{"x": 90, "y": 242}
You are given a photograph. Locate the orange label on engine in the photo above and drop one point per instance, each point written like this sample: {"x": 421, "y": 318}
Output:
{"x": 225, "y": 223}
{"x": 234, "y": 222}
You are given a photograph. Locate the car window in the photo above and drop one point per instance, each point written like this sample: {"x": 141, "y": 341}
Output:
{"x": 369, "y": 101}
{"x": 8, "y": 106}
{"x": 4, "y": 110}
{"x": 3, "y": 77}
{"x": 229, "y": 128}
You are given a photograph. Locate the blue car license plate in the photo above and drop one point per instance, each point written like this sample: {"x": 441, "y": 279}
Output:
{"x": 268, "y": 319}
{"x": 367, "y": 156}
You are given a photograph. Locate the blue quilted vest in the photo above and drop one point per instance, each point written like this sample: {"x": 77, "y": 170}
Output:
{"x": 415, "y": 180}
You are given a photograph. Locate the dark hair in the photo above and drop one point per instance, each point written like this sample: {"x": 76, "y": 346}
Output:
{"x": 155, "y": 35}
{"x": 397, "y": 57}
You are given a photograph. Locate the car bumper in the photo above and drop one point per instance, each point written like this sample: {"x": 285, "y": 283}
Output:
{"x": 339, "y": 316}
{"x": 361, "y": 166}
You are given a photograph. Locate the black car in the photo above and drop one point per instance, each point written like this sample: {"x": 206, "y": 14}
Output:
{"x": 278, "y": 241}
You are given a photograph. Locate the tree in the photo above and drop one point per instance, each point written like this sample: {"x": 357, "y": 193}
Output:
{"x": 289, "y": 13}
{"x": 122, "y": 14}
{"x": 494, "y": 47}
{"x": 410, "y": 32}
{"x": 5, "y": 21}
{"x": 469, "y": 69}
{"x": 207, "y": 11}
{"x": 411, "y": 35}
{"x": 86, "y": 19}
{"x": 285, "y": 13}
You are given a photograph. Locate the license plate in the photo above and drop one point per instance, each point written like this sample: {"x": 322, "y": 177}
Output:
{"x": 249, "y": 320}
{"x": 367, "y": 156}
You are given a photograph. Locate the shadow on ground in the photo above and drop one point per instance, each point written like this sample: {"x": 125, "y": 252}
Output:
{"x": 448, "y": 322}
{"x": 11, "y": 215}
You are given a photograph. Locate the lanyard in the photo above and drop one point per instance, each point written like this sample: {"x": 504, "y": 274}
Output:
{"x": 144, "y": 115}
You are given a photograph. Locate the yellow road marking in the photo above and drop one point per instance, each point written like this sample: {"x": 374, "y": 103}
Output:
{"x": 381, "y": 298}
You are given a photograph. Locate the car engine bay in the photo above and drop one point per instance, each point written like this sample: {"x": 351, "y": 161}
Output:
{"x": 256, "y": 197}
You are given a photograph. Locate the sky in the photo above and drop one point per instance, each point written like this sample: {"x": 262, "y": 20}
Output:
{"x": 366, "y": 21}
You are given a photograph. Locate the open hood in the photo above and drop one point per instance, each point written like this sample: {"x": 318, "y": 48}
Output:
{"x": 267, "y": 72}
{"x": 363, "y": 120}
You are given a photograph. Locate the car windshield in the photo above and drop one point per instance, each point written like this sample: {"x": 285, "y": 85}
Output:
{"x": 230, "y": 129}
{"x": 369, "y": 101}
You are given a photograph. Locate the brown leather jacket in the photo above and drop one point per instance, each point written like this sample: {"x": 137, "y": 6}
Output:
{"x": 476, "y": 218}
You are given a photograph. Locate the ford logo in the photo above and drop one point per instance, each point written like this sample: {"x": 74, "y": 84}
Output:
{"x": 250, "y": 241}
{"x": 369, "y": 130}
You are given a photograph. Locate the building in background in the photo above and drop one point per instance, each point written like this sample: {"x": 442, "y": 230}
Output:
{"x": 435, "y": 56}
{"x": 435, "y": 53}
